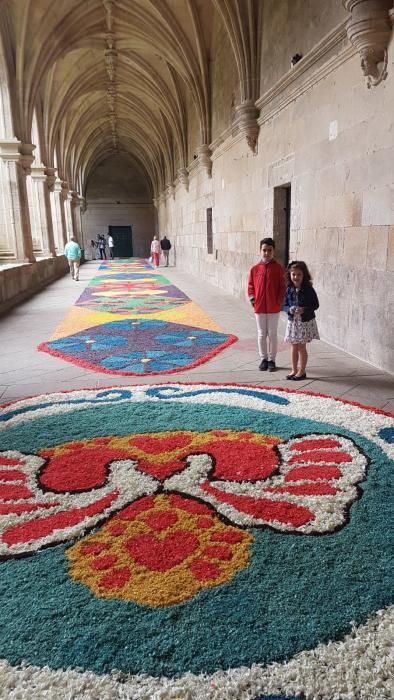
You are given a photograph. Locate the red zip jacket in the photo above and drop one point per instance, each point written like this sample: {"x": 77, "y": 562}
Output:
{"x": 267, "y": 287}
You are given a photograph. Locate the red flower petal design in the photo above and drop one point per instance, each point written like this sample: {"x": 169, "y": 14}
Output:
{"x": 38, "y": 517}
{"x": 304, "y": 485}
{"x": 313, "y": 498}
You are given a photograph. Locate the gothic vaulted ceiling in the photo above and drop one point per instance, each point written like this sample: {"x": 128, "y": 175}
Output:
{"x": 115, "y": 76}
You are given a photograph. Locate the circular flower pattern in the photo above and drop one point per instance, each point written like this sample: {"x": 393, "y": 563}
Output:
{"x": 189, "y": 528}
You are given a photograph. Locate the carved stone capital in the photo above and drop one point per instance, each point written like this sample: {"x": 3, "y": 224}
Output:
{"x": 38, "y": 173}
{"x": 204, "y": 157}
{"x": 64, "y": 190}
{"x": 183, "y": 175}
{"x": 57, "y": 185}
{"x": 170, "y": 190}
{"x": 51, "y": 178}
{"x": 27, "y": 157}
{"x": 246, "y": 115}
{"x": 22, "y": 153}
{"x": 74, "y": 199}
{"x": 9, "y": 149}
{"x": 369, "y": 30}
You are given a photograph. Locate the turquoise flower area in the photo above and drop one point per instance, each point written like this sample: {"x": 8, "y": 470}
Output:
{"x": 295, "y": 591}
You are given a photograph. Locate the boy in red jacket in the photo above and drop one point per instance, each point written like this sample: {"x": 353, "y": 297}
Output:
{"x": 266, "y": 291}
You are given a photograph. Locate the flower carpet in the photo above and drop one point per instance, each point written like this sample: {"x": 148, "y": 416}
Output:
{"x": 131, "y": 320}
{"x": 195, "y": 541}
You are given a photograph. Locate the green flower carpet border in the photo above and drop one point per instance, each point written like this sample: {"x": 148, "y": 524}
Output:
{"x": 195, "y": 541}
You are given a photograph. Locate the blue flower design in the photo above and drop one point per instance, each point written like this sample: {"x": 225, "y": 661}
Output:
{"x": 73, "y": 344}
{"x": 149, "y": 361}
{"x": 88, "y": 343}
{"x": 191, "y": 337}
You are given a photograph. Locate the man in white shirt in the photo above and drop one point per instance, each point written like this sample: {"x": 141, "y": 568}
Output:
{"x": 111, "y": 246}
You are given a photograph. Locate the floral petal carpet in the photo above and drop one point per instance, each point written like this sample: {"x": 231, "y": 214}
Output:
{"x": 131, "y": 320}
{"x": 195, "y": 541}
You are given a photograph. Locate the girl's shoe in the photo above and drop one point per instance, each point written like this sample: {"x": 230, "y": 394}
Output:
{"x": 299, "y": 378}
{"x": 290, "y": 376}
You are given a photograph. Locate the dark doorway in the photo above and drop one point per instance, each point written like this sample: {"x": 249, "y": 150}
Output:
{"x": 123, "y": 240}
{"x": 209, "y": 231}
{"x": 282, "y": 212}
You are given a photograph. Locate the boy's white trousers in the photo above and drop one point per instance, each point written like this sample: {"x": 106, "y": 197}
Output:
{"x": 267, "y": 335}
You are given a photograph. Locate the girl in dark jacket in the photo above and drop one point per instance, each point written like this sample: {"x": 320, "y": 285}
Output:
{"x": 300, "y": 303}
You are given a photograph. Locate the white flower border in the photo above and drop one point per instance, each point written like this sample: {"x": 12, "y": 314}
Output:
{"x": 360, "y": 666}
{"x": 360, "y": 419}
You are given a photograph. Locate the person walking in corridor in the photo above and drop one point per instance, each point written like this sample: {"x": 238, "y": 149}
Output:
{"x": 155, "y": 251}
{"x": 266, "y": 291}
{"x": 72, "y": 251}
{"x": 166, "y": 247}
{"x": 111, "y": 246}
{"x": 101, "y": 247}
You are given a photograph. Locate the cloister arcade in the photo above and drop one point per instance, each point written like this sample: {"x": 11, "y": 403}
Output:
{"x": 179, "y": 116}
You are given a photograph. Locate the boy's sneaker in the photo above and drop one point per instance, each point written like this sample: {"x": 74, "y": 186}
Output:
{"x": 271, "y": 366}
{"x": 263, "y": 366}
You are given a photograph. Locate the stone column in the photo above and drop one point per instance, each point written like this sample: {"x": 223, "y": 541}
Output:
{"x": 40, "y": 182}
{"x": 59, "y": 208}
{"x": 67, "y": 209}
{"x": 80, "y": 209}
{"x": 75, "y": 204}
{"x": 18, "y": 158}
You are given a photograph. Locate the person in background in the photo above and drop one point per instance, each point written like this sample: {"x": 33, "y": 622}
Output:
{"x": 101, "y": 247}
{"x": 111, "y": 246}
{"x": 166, "y": 247}
{"x": 266, "y": 291}
{"x": 155, "y": 251}
{"x": 300, "y": 303}
{"x": 72, "y": 251}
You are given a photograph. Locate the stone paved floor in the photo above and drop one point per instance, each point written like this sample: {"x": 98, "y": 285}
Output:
{"x": 25, "y": 372}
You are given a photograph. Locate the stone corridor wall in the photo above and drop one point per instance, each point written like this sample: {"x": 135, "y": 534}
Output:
{"x": 20, "y": 282}
{"x": 324, "y": 133}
